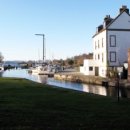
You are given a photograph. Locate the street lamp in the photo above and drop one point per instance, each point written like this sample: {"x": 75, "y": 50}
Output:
{"x": 119, "y": 70}
{"x": 43, "y": 44}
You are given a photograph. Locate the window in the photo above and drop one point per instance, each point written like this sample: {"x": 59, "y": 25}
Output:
{"x": 90, "y": 68}
{"x": 102, "y": 57}
{"x": 98, "y": 44}
{"x": 112, "y": 40}
{"x": 95, "y": 46}
{"x": 112, "y": 56}
{"x": 102, "y": 42}
{"x": 98, "y": 56}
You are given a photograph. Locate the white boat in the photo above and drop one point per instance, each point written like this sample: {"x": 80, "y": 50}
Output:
{"x": 43, "y": 70}
{"x": 1, "y": 67}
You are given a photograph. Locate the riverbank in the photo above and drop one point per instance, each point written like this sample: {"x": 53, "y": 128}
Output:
{"x": 26, "y": 105}
{"x": 78, "y": 77}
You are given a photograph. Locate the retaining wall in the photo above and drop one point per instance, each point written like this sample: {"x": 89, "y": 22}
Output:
{"x": 90, "y": 79}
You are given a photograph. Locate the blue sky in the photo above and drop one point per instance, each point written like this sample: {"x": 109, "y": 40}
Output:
{"x": 68, "y": 26}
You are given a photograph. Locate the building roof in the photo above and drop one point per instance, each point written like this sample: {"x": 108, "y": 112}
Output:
{"x": 122, "y": 10}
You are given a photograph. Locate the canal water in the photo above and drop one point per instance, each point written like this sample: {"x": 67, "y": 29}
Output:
{"x": 95, "y": 89}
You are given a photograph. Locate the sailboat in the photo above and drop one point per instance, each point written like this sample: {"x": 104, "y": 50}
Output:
{"x": 44, "y": 68}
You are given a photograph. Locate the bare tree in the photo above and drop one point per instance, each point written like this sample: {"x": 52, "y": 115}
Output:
{"x": 1, "y": 57}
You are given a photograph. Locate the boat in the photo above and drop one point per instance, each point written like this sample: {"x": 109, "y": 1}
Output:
{"x": 49, "y": 70}
{"x": 1, "y": 67}
{"x": 43, "y": 70}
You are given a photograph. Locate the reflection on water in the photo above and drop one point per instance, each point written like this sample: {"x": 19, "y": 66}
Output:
{"x": 23, "y": 73}
{"x": 96, "y": 89}
{"x": 64, "y": 84}
{"x": 39, "y": 78}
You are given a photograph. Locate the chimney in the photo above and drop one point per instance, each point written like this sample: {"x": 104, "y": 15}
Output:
{"x": 124, "y": 8}
{"x": 107, "y": 20}
{"x": 107, "y": 17}
{"x": 99, "y": 28}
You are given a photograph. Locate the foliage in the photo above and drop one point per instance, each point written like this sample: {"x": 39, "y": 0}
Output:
{"x": 75, "y": 60}
{"x": 70, "y": 62}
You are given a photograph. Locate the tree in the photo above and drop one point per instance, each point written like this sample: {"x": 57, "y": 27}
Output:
{"x": 70, "y": 62}
{"x": 1, "y": 57}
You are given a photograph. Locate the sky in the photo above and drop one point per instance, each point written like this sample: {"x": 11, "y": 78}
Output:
{"x": 68, "y": 26}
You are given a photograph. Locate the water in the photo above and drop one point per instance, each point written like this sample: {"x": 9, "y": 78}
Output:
{"x": 23, "y": 73}
{"x": 95, "y": 89}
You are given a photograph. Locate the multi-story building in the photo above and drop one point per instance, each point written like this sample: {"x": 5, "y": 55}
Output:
{"x": 110, "y": 44}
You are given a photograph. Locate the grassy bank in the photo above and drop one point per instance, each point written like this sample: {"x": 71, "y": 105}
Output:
{"x": 25, "y": 105}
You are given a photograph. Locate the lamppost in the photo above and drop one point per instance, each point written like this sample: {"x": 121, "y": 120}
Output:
{"x": 119, "y": 70}
{"x": 43, "y": 44}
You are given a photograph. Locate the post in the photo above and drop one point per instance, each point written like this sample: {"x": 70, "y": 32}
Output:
{"x": 118, "y": 86}
{"x": 128, "y": 65}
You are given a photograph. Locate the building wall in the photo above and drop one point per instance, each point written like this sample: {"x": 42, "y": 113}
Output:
{"x": 99, "y": 48}
{"x": 88, "y": 68}
{"x": 119, "y": 32}
{"x": 117, "y": 54}
{"x": 100, "y": 52}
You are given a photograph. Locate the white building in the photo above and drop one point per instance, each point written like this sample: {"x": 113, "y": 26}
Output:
{"x": 110, "y": 44}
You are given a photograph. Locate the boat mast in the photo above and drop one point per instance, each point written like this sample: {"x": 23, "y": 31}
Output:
{"x": 43, "y": 45}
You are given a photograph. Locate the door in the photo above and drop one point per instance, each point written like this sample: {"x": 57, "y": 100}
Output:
{"x": 96, "y": 71}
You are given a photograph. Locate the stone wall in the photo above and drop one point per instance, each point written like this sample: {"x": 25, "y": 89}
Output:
{"x": 79, "y": 78}
{"x": 129, "y": 64}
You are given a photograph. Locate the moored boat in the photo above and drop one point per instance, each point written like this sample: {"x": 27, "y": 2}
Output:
{"x": 43, "y": 70}
{"x": 1, "y": 69}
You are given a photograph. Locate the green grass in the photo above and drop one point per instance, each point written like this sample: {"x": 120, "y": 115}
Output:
{"x": 26, "y": 105}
